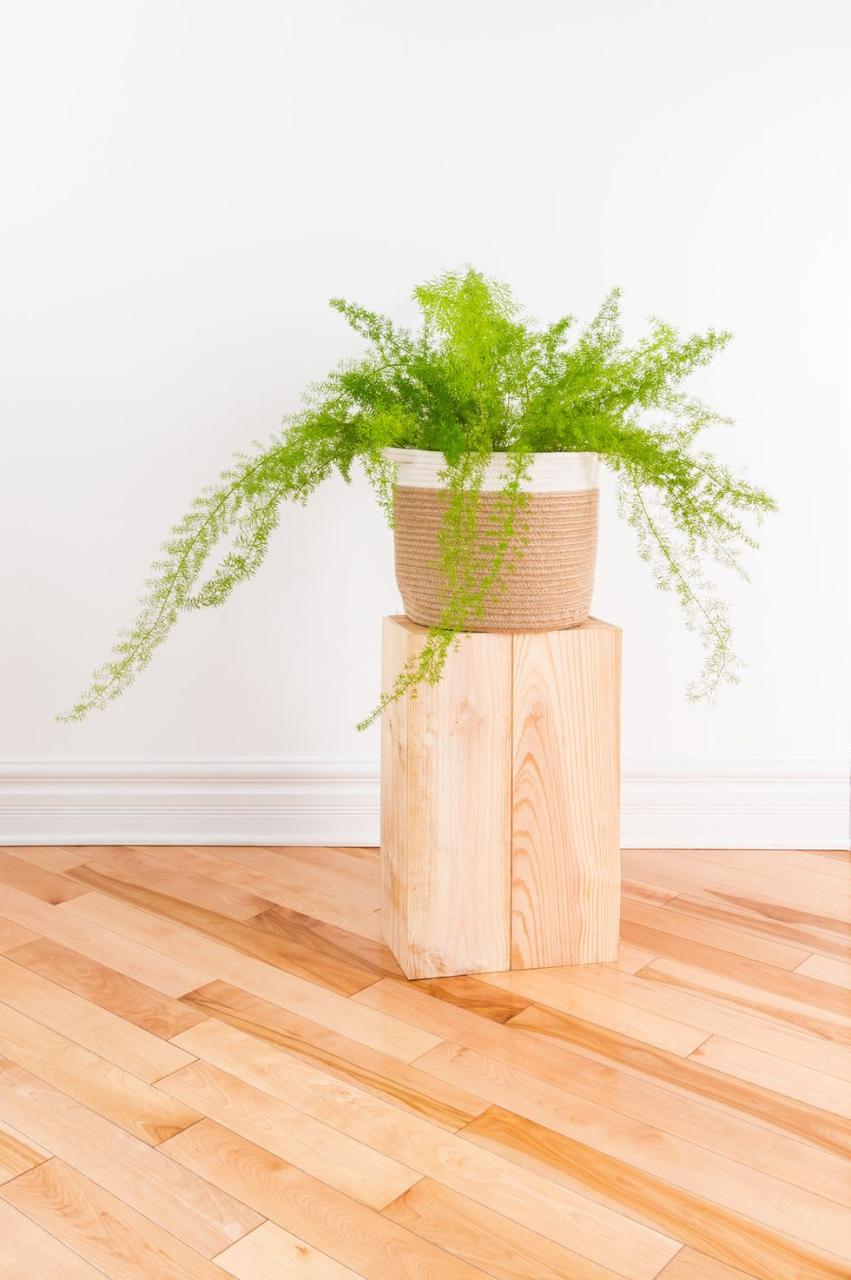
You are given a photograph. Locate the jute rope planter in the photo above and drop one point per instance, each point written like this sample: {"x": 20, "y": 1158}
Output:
{"x": 552, "y": 581}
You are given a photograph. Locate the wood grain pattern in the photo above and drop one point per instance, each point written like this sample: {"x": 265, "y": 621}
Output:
{"x": 17, "y": 1153}
{"x": 785, "y": 1183}
{"x": 306, "y": 889}
{"x": 376, "y": 1072}
{"x": 103, "y": 945}
{"x": 690, "y": 1265}
{"x": 680, "y": 1113}
{"x": 289, "y": 954}
{"x": 337, "y": 1225}
{"x": 719, "y": 1006}
{"x": 107, "y": 1089}
{"x": 173, "y": 879}
{"x": 106, "y": 988}
{"x": 723, "y": 937}
{"x": 103, "y": 1229}
{"x": 288, "y": 990}
{"x": 827, "y": 969}
{"x": 767, "y": 919}
{"x": 327, "y": 1152}
{"x": 721, "y": 1234}
{"x": 753, "y": 973}
{"x": 565, "y": 867}
{"x": 270, "y": 1253}
{"x": 446, "y": 861}
{"x": 30, "y": 1253}
{"x": 177, "y": 1200}
{"x": 665, "y": 868}
{"x": 111, "y": 1037}
{"x": 35, "y": 881}
{"x": 54, "y": 857}
{"x": 810, "y": 1123}
{"x": 546, "y": 987}
{"x": 630, "y": 1078}
{"x": 564, "y": 1216}
{"x": 788, "y": 1078}
{"x": 484, "y": 998}
{"x": 349, "y": 949}
{"x": 504, "y": 1249}
{"x": 12, "y": 935}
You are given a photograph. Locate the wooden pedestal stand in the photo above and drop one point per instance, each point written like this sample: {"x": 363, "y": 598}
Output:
{"x": 500, "y": 796}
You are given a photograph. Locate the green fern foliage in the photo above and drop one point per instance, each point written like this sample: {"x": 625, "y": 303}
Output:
{"x": 477, "y": 378}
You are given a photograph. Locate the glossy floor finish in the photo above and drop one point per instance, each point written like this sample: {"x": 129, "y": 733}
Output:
{"x": 210, "y": 1066}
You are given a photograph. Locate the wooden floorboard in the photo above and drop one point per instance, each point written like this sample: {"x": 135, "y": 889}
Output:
{"x": 211, "y": 1066}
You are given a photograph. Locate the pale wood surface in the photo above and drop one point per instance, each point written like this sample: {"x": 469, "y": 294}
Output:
{"x": 446, "y": 808}
{"x": 565, "y": 864}
{"x": 190, "y": 1090}
{"x": 500, "y": 802}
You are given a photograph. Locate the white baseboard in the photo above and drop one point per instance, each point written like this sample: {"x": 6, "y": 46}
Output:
{"x": 666, "y": 804}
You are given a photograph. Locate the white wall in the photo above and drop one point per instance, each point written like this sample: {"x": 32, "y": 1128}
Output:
{"x": 186, "y": 183}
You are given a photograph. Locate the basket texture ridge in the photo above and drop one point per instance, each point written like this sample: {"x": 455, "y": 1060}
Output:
{"x": 553, "y": 561}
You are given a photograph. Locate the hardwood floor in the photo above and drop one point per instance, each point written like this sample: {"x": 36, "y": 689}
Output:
{"x": 210, "y": 1066}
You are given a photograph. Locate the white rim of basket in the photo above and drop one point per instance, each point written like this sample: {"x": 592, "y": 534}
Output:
{"x": 548, "y": 472}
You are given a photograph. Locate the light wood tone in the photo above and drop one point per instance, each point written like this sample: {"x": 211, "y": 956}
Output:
{"x": 54, "y": 857}
{"x": 794, "y": 1184}
{"x": 446, "y": 807}
{"x": 334, "y": 1223}
{"x": 689, "y": 1265}
{"x": 723, "y": 937}
{"x": 483, "y": 998}
{"x": 17, "y": 1153}
{"x": 771, "y": 1108}
{"x": 107, "y": 1035}
{"x": 35, "y": 881}
{"x": 529, "y": 725}
{"x": 376, "y": 1072}
{"x": 137, "y": 1107}
{"x": 176, "y": 1199}
{"x": 566, "y": 1217}
{"x": 12, "y": 935}
{"x": 175, "y": 881}
{"x": 766, "y": 919}
{"x": 271, "y": 1253}
{"x": 548, "y": 987}
{"x": 106, "y": 988}
{"x": 296, "y": 886}
{"x": 794, "y": 1081}
{"x": 718, "y": 1007}
{"x": 264, "y": 941}
{"x": 664, "y": 867}
{"x": 811, "y": 870}
{"x": 319, "y": 1148}
{"x": 661, "y": 1090}
{"x": 29, "y": 1253}
{"x": 565, "y": 868}
{"x": 102, "y": 945}
{"x": 754, "y": 973}
{"x": 256, "y": 976}
{"x": 103, "y": 1229}
{"x": 504, "y": 1249}
{"x": 785, "y": 1005}
{"x": 724, "y": 1235}
{"x": 523, "y": 1125}
{"x": 827, "y": 969}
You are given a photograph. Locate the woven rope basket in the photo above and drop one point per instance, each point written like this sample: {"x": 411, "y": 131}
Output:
{"x": 552, "y": 581}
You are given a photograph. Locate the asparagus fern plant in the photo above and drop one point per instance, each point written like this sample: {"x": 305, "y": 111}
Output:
{"x": 477, "y": 377}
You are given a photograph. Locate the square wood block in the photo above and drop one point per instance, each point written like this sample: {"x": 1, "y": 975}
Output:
{"x": 500, "y": 802}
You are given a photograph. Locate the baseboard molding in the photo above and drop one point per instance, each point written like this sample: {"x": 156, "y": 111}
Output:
{"x": 666, "y": 804}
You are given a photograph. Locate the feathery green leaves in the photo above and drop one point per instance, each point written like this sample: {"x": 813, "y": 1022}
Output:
{"x": 475, "y": 379}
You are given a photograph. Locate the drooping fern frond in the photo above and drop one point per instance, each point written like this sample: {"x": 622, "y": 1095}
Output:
{"x": 477, "y": 378}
